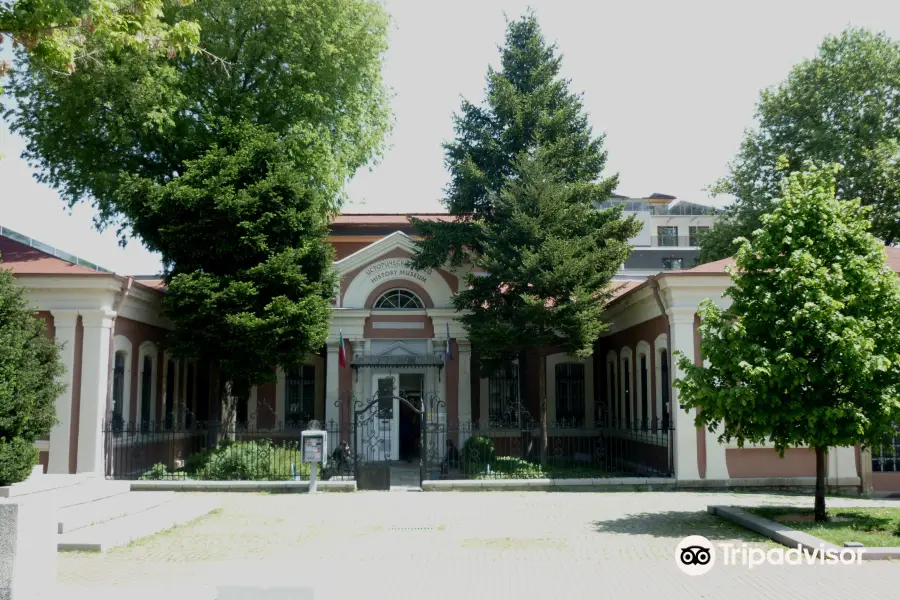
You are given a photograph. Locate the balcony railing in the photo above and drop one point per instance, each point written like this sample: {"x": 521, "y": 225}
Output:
{"x": 683, "y": 209}
{"x": 674, "y": 241}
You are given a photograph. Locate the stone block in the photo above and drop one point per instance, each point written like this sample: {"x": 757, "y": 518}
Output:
{"x": 27, "y": 551}
{"x": 377, "y": 478}
{"x": 572, "y": 482}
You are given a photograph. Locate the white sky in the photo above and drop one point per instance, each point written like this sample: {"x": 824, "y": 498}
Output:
{"x": 673, "y": 85}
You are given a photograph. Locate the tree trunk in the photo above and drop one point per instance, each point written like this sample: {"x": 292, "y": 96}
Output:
{"x": 543, "y": 399}
{"x": 820, "y": 484}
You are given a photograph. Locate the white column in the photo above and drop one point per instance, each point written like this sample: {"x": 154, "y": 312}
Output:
{"x": 464, "y": 394}
{"x": 464, "y": 405}
{"x": 64, "y": 322}
{"x": 332, "y": 385}
{"x": 359, "y": 379}
{"x": 716, "y": 467}
{"x": 94, "y": 375}
{"x": 681, "y": 322}
{"x": 841, "y": 464}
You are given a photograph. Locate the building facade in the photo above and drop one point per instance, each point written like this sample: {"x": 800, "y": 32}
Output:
{"x": 670, "y": 237}
{"x": 401, "y": 334}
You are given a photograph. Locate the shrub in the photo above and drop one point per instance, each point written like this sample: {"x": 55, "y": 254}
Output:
{"x": 157, "y": 472}
{"x": 258, "y": 460}
{"x": 477, "y": 452}
{"x": 29, "y": 367}
{"x": 510, "y": 467}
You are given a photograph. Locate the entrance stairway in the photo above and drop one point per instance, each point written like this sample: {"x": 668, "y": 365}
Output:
{"x": 96, "y": 515}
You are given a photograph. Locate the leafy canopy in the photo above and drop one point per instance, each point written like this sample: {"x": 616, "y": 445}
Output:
{"x": 245, "y": 243}
{"x": 808, "y": 353}
{"x": 308, "y": 70}
{"x": 842, "y": 106}
{"x": 528, "y": 106}
{"x": 61, "y": 34}
{"x": 546, "y": 261}
{"x": 29, "y": 366}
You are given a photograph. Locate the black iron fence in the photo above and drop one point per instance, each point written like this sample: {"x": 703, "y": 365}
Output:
{"x": 460, "y": 450}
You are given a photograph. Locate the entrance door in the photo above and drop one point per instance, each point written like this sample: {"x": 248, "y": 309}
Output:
{"x": 386, "y": 419}
{"x": 410, "y": 422}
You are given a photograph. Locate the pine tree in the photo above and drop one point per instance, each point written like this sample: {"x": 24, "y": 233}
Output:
{"x": 29, "y": 366}
{"x": 525, "y": 188}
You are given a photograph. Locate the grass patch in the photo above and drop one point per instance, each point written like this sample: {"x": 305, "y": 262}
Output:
{"x": 872, "y": 527}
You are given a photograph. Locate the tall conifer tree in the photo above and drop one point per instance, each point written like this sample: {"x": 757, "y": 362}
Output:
{"x": 526, "y": 184}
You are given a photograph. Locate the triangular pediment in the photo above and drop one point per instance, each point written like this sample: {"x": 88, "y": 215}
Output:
{"x": 398, "y": 349}
{"x": 395, "y": 241}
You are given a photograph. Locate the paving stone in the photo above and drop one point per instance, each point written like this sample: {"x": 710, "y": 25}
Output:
{"x": 478, "y": 544}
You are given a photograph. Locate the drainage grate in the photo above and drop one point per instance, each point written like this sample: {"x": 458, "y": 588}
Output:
{"x": 423, "y": 528}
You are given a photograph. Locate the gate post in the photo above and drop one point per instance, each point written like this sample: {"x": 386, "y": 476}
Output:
{"x": 423, "y": 442}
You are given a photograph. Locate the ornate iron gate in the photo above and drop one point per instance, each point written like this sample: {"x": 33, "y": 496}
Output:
{"x": 371, "y": 432}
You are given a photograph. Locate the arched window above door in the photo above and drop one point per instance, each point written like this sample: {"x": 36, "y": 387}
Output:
{"x": 399, "y": 298}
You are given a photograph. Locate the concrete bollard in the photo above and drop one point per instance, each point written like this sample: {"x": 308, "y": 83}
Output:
{"x": 28, "y": 533}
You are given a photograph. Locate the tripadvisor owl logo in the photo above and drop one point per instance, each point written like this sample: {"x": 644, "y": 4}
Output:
{"x": 695, "y": 555}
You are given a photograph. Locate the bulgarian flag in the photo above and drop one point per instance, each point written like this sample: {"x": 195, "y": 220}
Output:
{"x": 342, "y": 355}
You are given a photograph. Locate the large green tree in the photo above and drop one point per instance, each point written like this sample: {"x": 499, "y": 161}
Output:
{"x": 245, "y": 245}
{"x": 29, "y": 367}
{"x": 228, "y": 169}
{"x": 808, "y": 353}
{"x": 841, "y": 106}
{"x": 526, "y": 184}
{"x": 309, "y": 70}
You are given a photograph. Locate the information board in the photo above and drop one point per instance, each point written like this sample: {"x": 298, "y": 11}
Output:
{"x": 312, "y": 449}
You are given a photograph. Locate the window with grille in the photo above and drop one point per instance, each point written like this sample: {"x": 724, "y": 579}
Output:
{"x": 399, "y": 299}
{"x": 118, "y": 391}
{"x": 189, "y": 397}
{"x": 664, "y": 372}
{"x": 626, "y": 391}
{"x": 570, "y": 394}
{"x": 170, "y": 394}
{"x": 645, "y": 403}
{"x": 611, "y": 402}
{"x": 300, "y": 389}
{"x": 886, "y": 456}
{"x": 146, "y": 390}
{"x": 504, "y": 409}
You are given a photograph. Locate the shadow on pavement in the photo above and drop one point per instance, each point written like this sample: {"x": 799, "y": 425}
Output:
{"x": 677, "y": 525}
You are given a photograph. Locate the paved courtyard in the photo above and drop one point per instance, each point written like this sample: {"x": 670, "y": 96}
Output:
{"x": 458, "y": 545}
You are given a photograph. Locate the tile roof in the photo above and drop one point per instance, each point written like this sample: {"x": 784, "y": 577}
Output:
{"x": 718, "y": 266}
{"x": 23, "y": 259}
{"x": 623, "y": 287}
{"x": 380, "y": 219}
{"x": 157, "y": 284}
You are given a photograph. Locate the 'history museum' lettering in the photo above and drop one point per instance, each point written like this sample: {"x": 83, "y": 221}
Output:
{"x": 394, "y": 267}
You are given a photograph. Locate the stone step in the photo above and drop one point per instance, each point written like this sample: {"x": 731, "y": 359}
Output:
{"x": 122, "y": 531}
{"x": 37, "y": 485}
{"x": 107, "y": 509}
{"x": 86, "y": 492}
